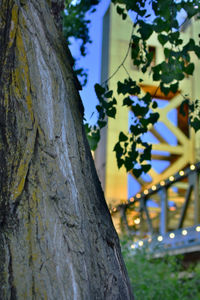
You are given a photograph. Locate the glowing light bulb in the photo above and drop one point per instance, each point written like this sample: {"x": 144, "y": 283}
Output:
{"x": 171, "y": 178}
{"x": 160, "y": 238}
{"x": 146, "y": 192}
{"x": 162, "y": 183}
{"x": 132, "y": 199}
{"x": 184, "y": 232}
{"x": 137, "y": 221}
{"x": 172, "y": 235}
{"x": 198, "y": 228}
{"x": 181, "y": 173}
{"x": 192, "y": 167}
{"x": 138, "y": 196}
{"x": 140, "y": 243}
{"x": 132, "y": 246}
{"x": 153, "y": 187}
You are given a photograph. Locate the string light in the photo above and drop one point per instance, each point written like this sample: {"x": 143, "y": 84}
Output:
{"x": 153, "y": 187}
{"x": 198, "y": 228}
{"x": 184, "y": 232}
{"x": 132, "y": 246}
{"x": 137, "y": 221}
{"x": 140, "y": 243}
{"x": 160, "y": 238}
{"x": 172, "y": 235}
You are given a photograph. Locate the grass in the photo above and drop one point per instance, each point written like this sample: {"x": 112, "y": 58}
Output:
{"x": 159, "y": 279}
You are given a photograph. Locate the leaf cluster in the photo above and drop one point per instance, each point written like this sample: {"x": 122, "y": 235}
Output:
{"x": 106, "y": 108}
{"x": 161, "y": 19}
{"x": 76, "y": 26}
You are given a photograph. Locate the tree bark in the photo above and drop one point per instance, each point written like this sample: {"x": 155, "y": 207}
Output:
{"x": 57, "y": 240}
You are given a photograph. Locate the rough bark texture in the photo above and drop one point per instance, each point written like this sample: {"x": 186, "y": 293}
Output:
{"x": 57, "y": 240}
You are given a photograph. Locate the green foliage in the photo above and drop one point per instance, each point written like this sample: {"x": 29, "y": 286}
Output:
{"x": 76, "y": 25}
{"x": 167, "y": 75}
{"x": 160, "y": 278}
{"x": 106, "y": 108}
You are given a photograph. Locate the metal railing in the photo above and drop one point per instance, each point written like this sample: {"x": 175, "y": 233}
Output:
{"x": 161, "y": 189}
{"x": 174, "y": 242}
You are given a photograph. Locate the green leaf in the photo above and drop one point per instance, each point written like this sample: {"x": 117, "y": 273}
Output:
{"x": 190, "y": 46}
{"x": 153, "y": 117}
{"x": 111, "y": 112}
{"x": 137, "y": 129}
{"x": 163, "y": 39}
{"x": 101, "y": 123}
{"x": 128, "y": 87}
{"x": 146, "y": 168}
{"x": 197, "y": 51}
{"x": 179, "y": 76}
{"x": 167, "y": 52}
{"x": 164, "y": 89}
{"x": 128, "y": 163}
{"x": 139, "y": 110}
{"x": 167, "y": 77}
{"x": 108, "y": 94}
{"x": 118, "y": 149}
{"x": 154, "y": 104}
{"x": 189, "y": 69}
{"x": 124, "y": 16}
{"x": 93, "y": 139}
{"x": 156, "y": 73}
{"x": 174, "y": 87}
{"x": 122, "y": 137}
{"x": 114, "y": 101}
{"x": 127, "y": 101}
{"x": 195, "y": 123}
{"x": 120, "y": 162}
{"x": 99, "y": 108}
{"x": 146, "y": 155}
{"x": 120, "y": 10}
{"x": 137, "y": 172}
{"x": 145, "y": 30}
{"x": 173, "y": 36}
{"x": 99, "y": 90}
{"x": 146, "y": 98}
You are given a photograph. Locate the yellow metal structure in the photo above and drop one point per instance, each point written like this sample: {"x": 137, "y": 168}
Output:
{"x": 116, "y": 37}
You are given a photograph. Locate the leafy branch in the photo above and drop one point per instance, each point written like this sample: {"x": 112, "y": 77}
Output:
{"x": 131, "y": 151}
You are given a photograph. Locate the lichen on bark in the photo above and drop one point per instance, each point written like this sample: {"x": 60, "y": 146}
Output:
{"x": 57, "y": 239}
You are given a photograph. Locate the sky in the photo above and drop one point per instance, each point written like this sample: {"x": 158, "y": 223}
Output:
{"x": 92, "y": 61}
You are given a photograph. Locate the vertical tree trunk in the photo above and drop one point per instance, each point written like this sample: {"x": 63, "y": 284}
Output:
{"x": 57, "y": 240}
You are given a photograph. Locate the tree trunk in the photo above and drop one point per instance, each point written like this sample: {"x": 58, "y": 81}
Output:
{"x": 57, "y": 240}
